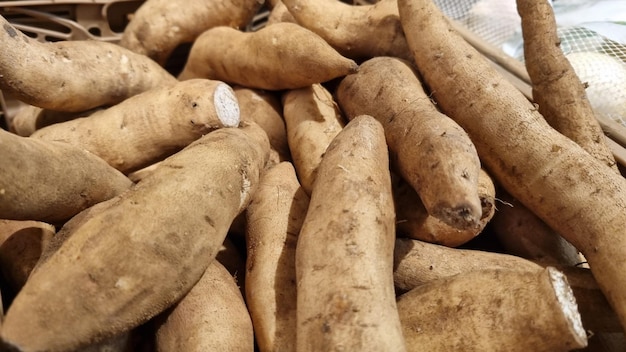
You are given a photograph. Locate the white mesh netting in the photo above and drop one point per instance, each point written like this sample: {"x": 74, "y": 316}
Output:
{"x": 592, "y": 33}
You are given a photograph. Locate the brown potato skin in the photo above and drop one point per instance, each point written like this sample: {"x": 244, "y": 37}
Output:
{"x": 147, "y": 127}
{"x": 21, "y": 246}
{"x": 557, "y": 90}
{"x": 522, "y": 233}
{"x": 211, "y": 317}
{"x": 159, "y": 26}
{"x": 344, "y": 256}
{"x": 413, "y": 221}
{"x": 490, "y": 310}
{"x": 274, "y": 219}
{"x": 358, "y": 32}
{"x": 265, "y": 109}
{"x": 279, "y": 13}
{"x": 52, "y": 181}
{"x": 251, "y": 59}
{"x": 31, "y": 118}
{"x": 417, "y": 262}
{"x": 312, "y": 120}
{"x": 570, "y": 190}
{"x": 73, "y": 75}
{"x": 429, "y": 150}
{"x": 132, "y": 260}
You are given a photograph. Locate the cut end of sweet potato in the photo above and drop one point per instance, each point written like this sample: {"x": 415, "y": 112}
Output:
{"x": 565, "y": 297}
{"x": 226, "y": 105}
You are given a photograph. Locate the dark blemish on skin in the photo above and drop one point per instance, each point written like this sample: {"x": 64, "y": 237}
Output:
{"x": 194, "y": 105}
{"x": 209, "y": 220}
{"x": 10, "y": 30}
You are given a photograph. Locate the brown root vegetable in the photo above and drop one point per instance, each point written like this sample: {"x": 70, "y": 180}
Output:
{"x": 160, "y": 26}
{"x": 152, "y": 125}
{"x": 431, "y": 151}
{"x": 417, "y": 262}
{"x": 31, "y": 118}
{"x": 280, "y": 13}
{"x": 21, "y": 246}
{"x": 211, "y": 317}
{"x": 285, "y": 55}
{"x": 344, "y": 257}
{"x": 557, "y": 90}
{"x": 358, "y": 32}
{"x": 142, "y": 173}
{"x": 413, "y": 221}
{"x": 491, "y": 310}
{"x": 265, "y": 109}
{"x": 313, "y": 120}
{"x": 67, "y": 229}
{"x": 73, "y": 75}
{"x": 570, "y": 190}
{"x": 523, "y": 234}
{"x": 142, "y": 253}
{"x": 274, "y": 220}
{"x": 52, "y": 181}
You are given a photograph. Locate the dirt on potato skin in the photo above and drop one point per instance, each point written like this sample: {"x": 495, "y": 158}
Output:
{"x": 344, "y": 257}
{"x": 130, "y": 261}
{"x": 570, "y": 190}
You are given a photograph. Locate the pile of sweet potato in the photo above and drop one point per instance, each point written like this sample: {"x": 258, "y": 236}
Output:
{"x": 345, "y": 178}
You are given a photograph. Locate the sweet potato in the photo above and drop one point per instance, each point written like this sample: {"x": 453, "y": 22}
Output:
{"x": 68, "y": 228}
{"x": 429, "y": 150}
{"x": 151, "y": 125}
{"x": 570, "y": 190}
{"x": 280, "y": 13}
{"x": 142, "y": 173}
{"x": 52, "y": 181}
{"x": 144, "y": 252}
{"x": 285, "y": 55}
{"x": 31, "y": 118}
{"x": 523, "y": 234}
{"x": 562, "y": 102}
{"x": 557, "y": 90}
{"x": 265, "y": 109}
{"x": 358, "y": 32}
{"x": 493, "y": 310}
{"x": 274, "y": 219}
{"x": 417, "y": 263}
{"x": 73, "y": 75}
{"x": 344, "y": 257}
{"x": 211, "y": 317}
{"x": 413, "y": 221}
{"x": 160, "y": 26}
{"x": 313, "y": 120}
{"x": 21, "y": 246}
